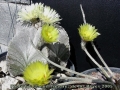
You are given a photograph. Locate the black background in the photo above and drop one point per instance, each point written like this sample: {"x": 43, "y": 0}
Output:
{"x": 105, "y": 15}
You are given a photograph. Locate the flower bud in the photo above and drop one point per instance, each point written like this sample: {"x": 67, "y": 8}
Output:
{"x": 37, "y": 74}
{"x": 49, "y": 33}
{"x": 88, "y": 32}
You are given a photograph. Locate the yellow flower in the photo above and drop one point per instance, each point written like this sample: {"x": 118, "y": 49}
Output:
{"x": 49, "y": 33}
{"x": 49, "y": 16}
{"x": 30, "y": 14}
{"x": 37, "y": 73}
{"x": 88, "y": 32}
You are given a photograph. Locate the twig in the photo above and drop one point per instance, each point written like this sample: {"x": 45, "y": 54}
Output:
{"x": 76, "y": 79}
{"x": 102, "y": 60}
{"x": 88, "y": 54}
{"x": 71, "y": 82}
{"x": 63, "y": 68}
{"x": 83, "y": 14}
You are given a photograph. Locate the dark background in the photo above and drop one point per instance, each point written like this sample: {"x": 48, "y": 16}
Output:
{"x": 105, "y": 15}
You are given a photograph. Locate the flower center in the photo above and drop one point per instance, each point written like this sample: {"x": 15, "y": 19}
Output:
{"x": 35, "y": 20}
{"x": 49, "y": 35}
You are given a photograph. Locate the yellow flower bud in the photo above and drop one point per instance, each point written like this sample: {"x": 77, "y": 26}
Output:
{"x": 37, "y": 73}
{"x": 49, "y": 33}
{"x": 88, "y": 32}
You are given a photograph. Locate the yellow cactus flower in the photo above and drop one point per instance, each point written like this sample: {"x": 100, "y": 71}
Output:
{"x": 49, "y": 16}
{"x": 37, "y": 74}
{"x": 30, "y": 14}
{"x": 88, "y": 32}
{"x": 49, "y": 33}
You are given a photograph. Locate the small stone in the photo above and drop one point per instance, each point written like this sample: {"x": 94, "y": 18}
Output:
{"x": 7, "y": 82}
{"x": 3, "y": 66}
{"x": 20, "y": 78}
